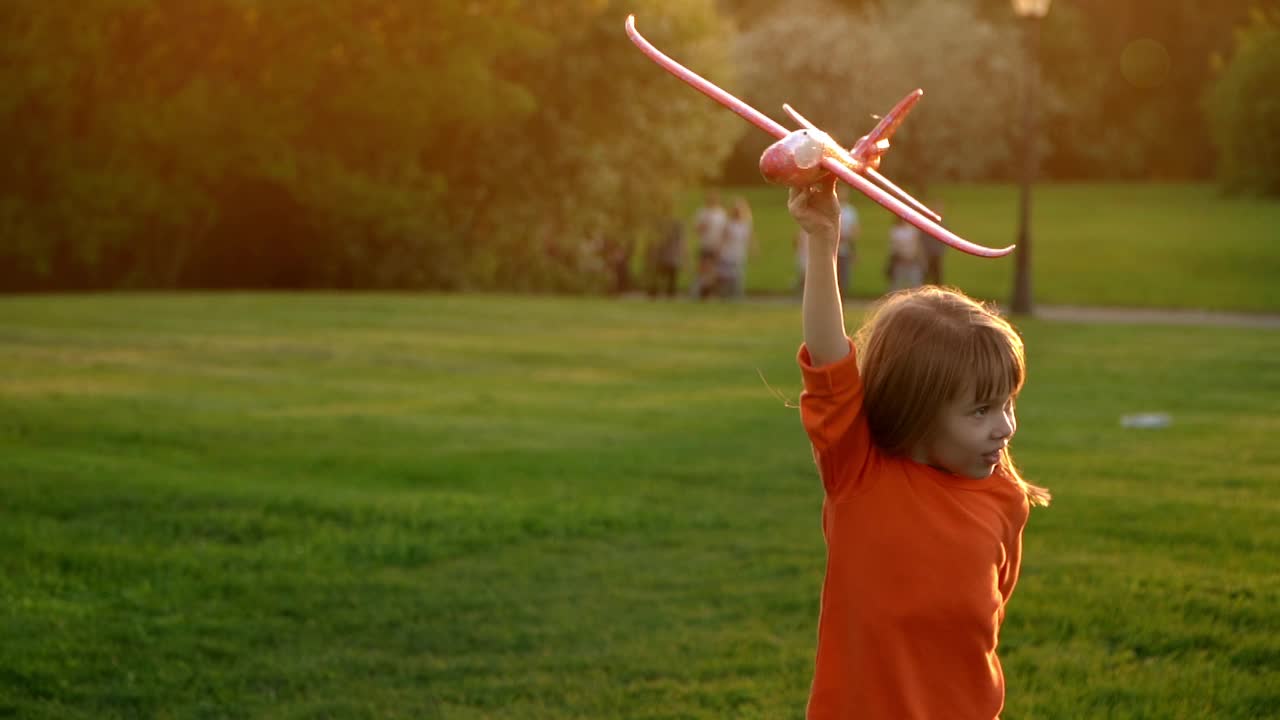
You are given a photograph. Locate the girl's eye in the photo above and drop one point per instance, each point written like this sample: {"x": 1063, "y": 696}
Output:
{"x": 982, "y": 411}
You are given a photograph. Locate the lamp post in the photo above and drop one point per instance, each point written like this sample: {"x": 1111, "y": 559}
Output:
{"x": 1031, "y": 12}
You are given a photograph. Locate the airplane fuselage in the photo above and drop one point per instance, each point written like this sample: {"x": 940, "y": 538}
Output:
{"x": 796, "y": 160}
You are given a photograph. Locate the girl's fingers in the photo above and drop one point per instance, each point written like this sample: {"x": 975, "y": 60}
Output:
{"x": 799, "y": 198}
{"x": 804, "y": 197}
{"x": 823, "y": 186}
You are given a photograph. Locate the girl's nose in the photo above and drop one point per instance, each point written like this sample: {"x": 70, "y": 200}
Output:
{"x": 1007, "y": 426}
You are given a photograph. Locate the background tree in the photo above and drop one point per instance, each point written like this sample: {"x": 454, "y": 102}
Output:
{"x": 1127, "y": 81}
{"x": 351, "y": 143}
{"x": 613, "y": 141}
{"x": 1130, "y": 77}
{"x": 488, "y": 143}
{"x": 842, "y": 70}
{"x": 1243, "y": 109}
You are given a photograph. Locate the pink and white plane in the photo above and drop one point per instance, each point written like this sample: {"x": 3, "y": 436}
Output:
{"x": 803, "y": 157}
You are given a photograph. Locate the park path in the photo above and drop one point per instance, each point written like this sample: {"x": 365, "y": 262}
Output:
{"x": 1094, "y": 315}
{"x": 1154, "y": 316}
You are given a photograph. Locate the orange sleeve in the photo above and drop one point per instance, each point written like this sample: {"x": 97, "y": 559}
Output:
{"x": 831, "y": 410}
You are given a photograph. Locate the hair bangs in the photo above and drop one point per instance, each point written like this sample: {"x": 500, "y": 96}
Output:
{"x": 996, "y": 362}
{"x": 923, "y": 348}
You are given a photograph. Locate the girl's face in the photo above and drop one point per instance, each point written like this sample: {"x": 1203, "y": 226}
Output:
{"x": 969, "y": 435}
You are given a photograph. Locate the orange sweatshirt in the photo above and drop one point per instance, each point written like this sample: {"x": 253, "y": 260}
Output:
{"x": 920, "y": 566}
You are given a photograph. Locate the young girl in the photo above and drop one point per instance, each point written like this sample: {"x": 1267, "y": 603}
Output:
{"x": 923, "y": 509}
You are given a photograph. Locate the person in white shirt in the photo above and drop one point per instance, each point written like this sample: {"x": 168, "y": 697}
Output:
{"x": 847, "y": 252}
{"x": 737, "y": 245}
{"x": 933, "y": 250}
{"x": 708, "y": 223}
{"x": 906, "y": 261}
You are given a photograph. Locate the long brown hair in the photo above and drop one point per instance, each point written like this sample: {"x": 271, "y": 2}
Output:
{"x": 919, "y": 349}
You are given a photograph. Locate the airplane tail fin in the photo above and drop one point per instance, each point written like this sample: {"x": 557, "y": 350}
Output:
{"x": 874, "y": 144}
{"x": 865, "y": 156}
{"x": 870, "y": 147}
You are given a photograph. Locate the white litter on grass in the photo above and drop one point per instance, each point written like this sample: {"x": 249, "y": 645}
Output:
{"x": 1146, "y": 421}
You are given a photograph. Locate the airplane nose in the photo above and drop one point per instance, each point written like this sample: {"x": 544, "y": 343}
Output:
{"x": 776, "y": 162}
{"x": 794, "y": 161}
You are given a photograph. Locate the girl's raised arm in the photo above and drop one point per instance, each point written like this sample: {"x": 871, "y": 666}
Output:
{"x": 817, "y": 211}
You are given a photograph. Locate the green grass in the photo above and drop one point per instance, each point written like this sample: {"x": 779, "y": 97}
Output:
{"x": 1150, "y": 245}
{"x": 306, "y": 506}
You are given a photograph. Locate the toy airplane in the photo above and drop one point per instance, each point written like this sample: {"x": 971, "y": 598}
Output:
{"x": 803, "y": 157}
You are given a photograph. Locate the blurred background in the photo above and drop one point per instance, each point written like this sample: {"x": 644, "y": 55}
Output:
{"x": 481, "y": 144}
{"x": 485, "y": 477}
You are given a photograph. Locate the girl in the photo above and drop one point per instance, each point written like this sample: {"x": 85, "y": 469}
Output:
{"x": 923, "y": 509}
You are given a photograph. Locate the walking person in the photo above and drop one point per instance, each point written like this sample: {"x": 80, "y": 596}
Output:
{"x": 667, "y": 257}
{"x": 847, "y": 253}
{"x": 708, "y": 223}
{"x": 735, "y": 250}
{"x": 905, "y": 268}
{"x": 933, "y": 251}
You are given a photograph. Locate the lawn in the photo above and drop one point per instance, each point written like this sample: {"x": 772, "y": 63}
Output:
{"x": 1149, "y": 245}
{"x": 392, "y": 506}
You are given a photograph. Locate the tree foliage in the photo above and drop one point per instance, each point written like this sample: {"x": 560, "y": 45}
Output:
{"x": 490, "y": 143}
{"x": 1131, "y": 75}
{"x": 613, "y": 141}
{"x": 1122, "y": 81}
{"x": 842, "y": 71}
{"x": 345, "y": 143}
{"x": 1244, "y": 109}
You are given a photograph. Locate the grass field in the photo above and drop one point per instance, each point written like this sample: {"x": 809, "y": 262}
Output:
{"x": 314, "y": 506}
{"x": 1147, "y": 245}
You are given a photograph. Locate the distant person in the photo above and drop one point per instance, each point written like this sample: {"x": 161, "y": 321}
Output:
{"x": 591, "y": 258}
{"x": 734, "y": 251}
{"x": 850, "y": 230}
{"x": 905, "y": 268}
{"x": 933, "y": 251}
{"x": 668, "y": 256}
{"x": 709, "y": 224}
{"x": 923, "y": 509}
{"x": 617, "y": 258}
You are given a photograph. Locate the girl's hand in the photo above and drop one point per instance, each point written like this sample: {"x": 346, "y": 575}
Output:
{"x": 816, "y": 210}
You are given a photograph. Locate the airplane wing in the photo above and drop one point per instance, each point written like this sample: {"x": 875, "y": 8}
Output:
{"x": 908, "y": 213}
{"x": 903, "y": 195}
{"x": 701, "y": 84}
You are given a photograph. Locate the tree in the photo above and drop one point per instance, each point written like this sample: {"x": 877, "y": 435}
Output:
{"x": 345, "y": 143}
{"x": 1243, "y": 110}
{"x": 1130, "y": 77}
{"x": 612, "y": 142}
{"x": 137, "y": 125}
{"x": 840, "y": 68}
